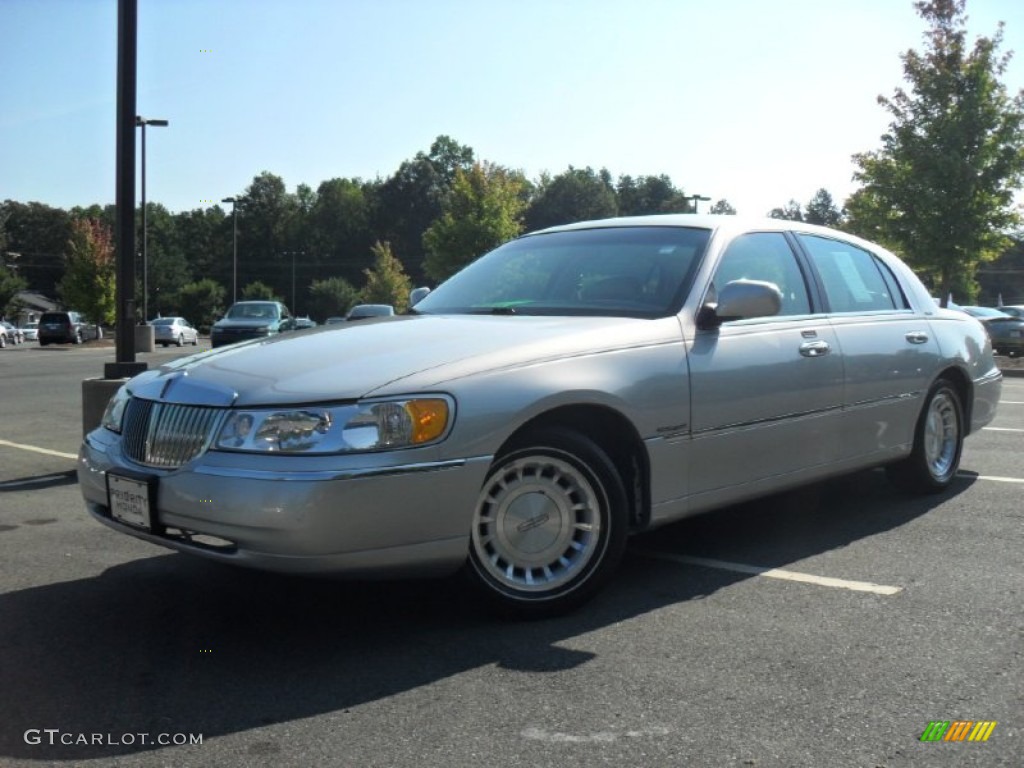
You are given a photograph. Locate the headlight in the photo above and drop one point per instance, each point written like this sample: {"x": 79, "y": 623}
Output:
{"x": 371, "y": 426}
{"x": 115, "y": 409}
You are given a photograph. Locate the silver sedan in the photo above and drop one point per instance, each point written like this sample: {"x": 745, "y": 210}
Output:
{"x": 174, "y": 330}
{"x": 569, "y": 388}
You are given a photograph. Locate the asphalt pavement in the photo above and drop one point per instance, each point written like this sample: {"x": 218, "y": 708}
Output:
{"x": 827, "y": 627}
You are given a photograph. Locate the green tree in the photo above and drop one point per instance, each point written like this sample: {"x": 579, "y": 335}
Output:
{"x": 940, "y": 189}
{"x": 89, "y": 281}
{"x": 386, "y": 281}
{"x": 649, "y": 194}
{"x": 202, "y": 302}
{"x": 332, "y": 297}
{"x": 40, "y": 235}
{"x": 822, "y": 210}
{"x": 484, "y": 211}
{"x": 257, "y": 291}
{"x": 415, "y": 196}
{"x": 340, "y": 234}
{"x": 11, "y": 285}
{"x": 791, "y": 211}
{"x": 575, "y": 195}
{"x": 723, "y": 207}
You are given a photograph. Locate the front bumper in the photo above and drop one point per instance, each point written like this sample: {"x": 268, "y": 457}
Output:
{"x": 295, "y": 514}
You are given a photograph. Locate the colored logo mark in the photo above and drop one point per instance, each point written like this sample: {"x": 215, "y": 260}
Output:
{"x": 958, "y": 730}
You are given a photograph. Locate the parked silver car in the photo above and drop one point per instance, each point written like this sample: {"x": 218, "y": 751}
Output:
{"x": 174, "y": 330}
{"x": 571, "y": 387}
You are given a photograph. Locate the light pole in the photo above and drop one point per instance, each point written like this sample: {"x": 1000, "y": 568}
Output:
{"x": 234, "y": 246}
{"x": 696, "y": 199}
{"x": 293, "y": 254}
{"x": 143, "y": 122}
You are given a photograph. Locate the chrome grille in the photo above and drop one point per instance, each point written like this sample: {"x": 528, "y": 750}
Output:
{"x": 167, "y": 435}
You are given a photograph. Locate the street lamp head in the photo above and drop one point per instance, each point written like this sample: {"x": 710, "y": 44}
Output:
{"x": 150, "y": 121}
{"x": 231, "y": 200}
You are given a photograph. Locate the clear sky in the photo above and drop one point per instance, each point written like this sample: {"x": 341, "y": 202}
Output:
{"x": 754, "y": 101}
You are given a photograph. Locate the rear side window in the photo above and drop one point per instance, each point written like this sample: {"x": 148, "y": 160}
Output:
{"x": 854, "y": 279}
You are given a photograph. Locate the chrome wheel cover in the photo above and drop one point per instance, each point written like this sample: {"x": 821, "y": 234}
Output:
{"x": 537, "y": 524}
{"x": 941, "y": 435}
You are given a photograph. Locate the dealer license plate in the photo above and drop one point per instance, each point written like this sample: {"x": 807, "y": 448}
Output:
{"x": 129, "y": 500}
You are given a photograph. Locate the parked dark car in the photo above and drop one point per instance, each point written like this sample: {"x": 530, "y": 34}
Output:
{"x": 1014, "y": 310}
{"x": 66, "y": 327}
{"x": 363, "y": 311}
{"x": 251, "y": 320}
{"x": 1005, "y": 330}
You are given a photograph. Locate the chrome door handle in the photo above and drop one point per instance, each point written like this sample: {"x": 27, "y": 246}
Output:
{"x": 815, "y": 348}
{"x": 917, "y": 337}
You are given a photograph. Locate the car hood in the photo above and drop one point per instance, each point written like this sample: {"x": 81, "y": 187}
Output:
{"x": 389, "y": 355}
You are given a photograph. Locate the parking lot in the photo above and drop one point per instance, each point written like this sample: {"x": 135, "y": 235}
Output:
{"x": 826, "y": 627}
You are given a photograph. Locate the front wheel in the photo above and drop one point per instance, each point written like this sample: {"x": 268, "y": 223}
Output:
{"x": 549, "y": 526}
{"x": 938, "y": 442}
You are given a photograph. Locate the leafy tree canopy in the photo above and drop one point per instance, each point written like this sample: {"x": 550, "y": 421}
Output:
{"x": 484, "y": 211}
{"x": 89, "y": 282}
{"x": 332, "y": 297}
{"x": 257, "y": 291}
{"x": 940, "y": 189}
{"x": 202, "y": 302}
{"x": 575, "y": 195}
{"x": 723, "y": 207}
{"x": 822, "y": 210}
{"x": 386, "y": 281}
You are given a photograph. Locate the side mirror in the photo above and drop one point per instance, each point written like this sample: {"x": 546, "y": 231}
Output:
{"x": 416, "y": 295}
{"x": 739, "y": 300}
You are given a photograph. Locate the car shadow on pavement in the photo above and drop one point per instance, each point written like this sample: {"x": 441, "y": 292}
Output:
{"x": 173, "y": 644}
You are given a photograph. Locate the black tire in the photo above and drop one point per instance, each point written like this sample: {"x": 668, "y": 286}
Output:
{"x": 938, "y": 443}
{"x": 549, "y": 526}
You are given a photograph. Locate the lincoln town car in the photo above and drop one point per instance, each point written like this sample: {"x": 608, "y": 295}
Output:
{"x": 569, "y": 388}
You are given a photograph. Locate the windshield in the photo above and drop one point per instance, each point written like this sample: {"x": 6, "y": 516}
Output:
{"x": 618, "y": 271}
{"x": 253, "y": 312}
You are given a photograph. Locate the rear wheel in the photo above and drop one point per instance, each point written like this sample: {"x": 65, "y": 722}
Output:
{"x": 180, "y": 341}
{"x": 549, "y": 526}
{"x": 938, "y": 442}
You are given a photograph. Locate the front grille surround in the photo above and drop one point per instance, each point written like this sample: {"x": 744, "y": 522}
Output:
{"x": 168, "y": 435}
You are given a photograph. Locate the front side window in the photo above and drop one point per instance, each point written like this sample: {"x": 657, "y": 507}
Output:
{"x": 854, "y": 280}
{"x": 765, "y": 256}
{"x": 615, "y": 271}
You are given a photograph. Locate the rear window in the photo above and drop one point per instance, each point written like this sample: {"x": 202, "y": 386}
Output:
{"x": 55, "y": 317}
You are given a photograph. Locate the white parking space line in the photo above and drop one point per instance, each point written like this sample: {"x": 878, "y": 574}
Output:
{"x": 993, "y": 478}
{"x": 1002, "y": 429}
{"x": 36, "y": 449}
{"x": 772, "y": 573}
{"x": 1011, "y": 402}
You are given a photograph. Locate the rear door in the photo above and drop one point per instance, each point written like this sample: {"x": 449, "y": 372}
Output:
{"x": 889, "y": 351}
